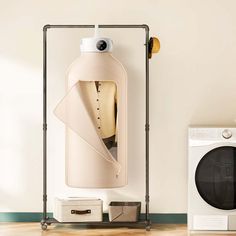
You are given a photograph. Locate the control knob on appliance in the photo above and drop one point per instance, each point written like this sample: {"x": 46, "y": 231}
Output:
{"x": 227, "y": 134}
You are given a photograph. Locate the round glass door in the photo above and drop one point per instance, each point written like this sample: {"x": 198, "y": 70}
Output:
{"x": 215, "y": 178}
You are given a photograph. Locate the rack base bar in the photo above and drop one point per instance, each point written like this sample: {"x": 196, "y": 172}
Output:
{"x": 139, "y": 224}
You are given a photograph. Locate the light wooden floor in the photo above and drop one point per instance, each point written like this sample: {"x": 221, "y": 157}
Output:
{"x": 34, "y": 229}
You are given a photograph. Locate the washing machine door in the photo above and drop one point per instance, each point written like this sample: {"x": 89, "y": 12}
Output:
{"x": 215, "y": 177}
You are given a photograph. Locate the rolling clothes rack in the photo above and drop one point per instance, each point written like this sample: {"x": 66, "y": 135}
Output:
{"x": 148, "y": 44}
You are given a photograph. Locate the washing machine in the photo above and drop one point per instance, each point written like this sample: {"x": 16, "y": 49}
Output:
{"x": 212, "y": 179}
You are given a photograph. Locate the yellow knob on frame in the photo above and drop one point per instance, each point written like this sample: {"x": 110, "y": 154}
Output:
{"x": 154, "y": 46}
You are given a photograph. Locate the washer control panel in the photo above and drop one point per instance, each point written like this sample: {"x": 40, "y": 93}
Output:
{"x": 212, "y": 134}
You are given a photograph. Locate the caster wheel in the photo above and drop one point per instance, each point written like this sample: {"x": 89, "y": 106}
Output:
{"x": 44, "y": 226}
{"x": 148, "y": 228}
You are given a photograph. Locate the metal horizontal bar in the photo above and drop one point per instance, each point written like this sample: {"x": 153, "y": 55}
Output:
{"x": 102, "y": 223}
{"x": 143, "y": 26}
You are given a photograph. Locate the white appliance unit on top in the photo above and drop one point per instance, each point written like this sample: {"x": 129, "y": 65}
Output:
{"x": 212, "y": 179}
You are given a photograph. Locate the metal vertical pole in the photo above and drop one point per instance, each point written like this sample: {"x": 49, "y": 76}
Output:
{"x": 147, "y": 198}
{"x": 44, "y": 123}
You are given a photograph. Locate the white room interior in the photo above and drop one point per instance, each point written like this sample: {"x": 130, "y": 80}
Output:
{"x": 192, "y": 83}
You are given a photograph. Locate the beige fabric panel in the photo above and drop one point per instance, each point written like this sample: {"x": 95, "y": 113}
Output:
{"x": 96, "y": 172}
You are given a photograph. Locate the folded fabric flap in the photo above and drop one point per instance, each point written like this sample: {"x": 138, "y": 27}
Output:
{"x": 72, "y": 112}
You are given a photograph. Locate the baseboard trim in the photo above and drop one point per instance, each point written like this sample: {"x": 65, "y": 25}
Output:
{"x": 165, "y": 218}
{"x": 168, "y": 218}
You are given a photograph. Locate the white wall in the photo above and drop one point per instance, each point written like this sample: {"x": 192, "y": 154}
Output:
{"x": 192, "y": 83}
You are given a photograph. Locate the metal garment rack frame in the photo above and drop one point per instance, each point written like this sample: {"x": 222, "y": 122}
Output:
{"x": 48, "y": 221}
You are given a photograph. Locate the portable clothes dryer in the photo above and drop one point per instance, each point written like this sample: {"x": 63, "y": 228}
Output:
{"x": 212, "y": 179}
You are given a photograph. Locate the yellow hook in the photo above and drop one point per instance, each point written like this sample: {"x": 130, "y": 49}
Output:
{"x": 153, "y": 46}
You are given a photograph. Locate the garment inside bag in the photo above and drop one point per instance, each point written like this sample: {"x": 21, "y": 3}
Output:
{"x": 100, "y": 98}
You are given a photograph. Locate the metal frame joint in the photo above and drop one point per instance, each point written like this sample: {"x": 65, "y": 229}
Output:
{"x": 46, "y": 27}
{"x": 45, "y": 127}
{"x": 45, "y": 198}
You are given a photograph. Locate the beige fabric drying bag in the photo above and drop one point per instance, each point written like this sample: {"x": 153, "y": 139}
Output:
{"x": 89, "y": 164}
